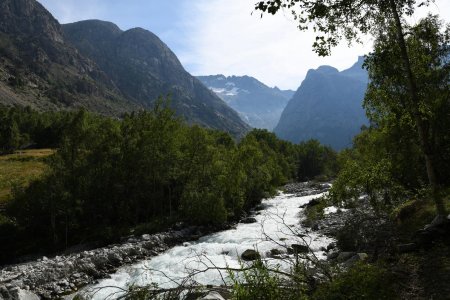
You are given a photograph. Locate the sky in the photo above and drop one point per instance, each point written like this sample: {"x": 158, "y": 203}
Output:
{"x": 223, "y": 36}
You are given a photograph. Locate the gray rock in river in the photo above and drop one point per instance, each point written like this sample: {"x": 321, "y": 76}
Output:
{"x": 297, "y": 248}
{"x": 250, "y": 254}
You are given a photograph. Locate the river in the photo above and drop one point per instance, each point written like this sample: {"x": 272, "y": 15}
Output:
{"x": 274, "y": 228}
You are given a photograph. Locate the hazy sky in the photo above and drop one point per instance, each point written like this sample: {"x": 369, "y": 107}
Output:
{"x": 221, "y": 36}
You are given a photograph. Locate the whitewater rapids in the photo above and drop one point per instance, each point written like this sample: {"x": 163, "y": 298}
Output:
{"x": 277, "y": 227}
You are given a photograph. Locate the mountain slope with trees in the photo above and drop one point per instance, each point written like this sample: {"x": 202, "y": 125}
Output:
{"x": 94, "y": 65}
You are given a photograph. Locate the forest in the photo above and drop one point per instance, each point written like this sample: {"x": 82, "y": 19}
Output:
{"x": 109, "y": 178}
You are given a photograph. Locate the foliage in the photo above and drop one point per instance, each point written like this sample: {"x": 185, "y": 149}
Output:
{"x": 388, "y": 102}
{"x": 363, "y": 231}
{"x": 315, "y": 212}
{"x": 414, "y": 214}
{"x": 369, "y": 169}
{"x": 22, "y": 127}
{"x": 314, "y": 160}
{"x": 258, "y": 282}
{"x": 363, "y": 281}
{"x": 385, "y": 162}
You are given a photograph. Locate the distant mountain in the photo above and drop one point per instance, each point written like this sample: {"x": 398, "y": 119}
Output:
{"x": 143, "y": 67}
{"x": 327, "y": 106}
{"x": 259, "y": 105}
{"x": 95, "y": 65}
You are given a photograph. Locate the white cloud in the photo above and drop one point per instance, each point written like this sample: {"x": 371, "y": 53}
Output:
{"x": 223, "y": 37}
{"x": 439, "y": 7}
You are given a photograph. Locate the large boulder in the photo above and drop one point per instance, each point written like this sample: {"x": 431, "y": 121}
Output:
{"x": 100, "y": 261}
{"x": 250, "y": 254}
{"x": 344, "y": 256}
{"x": 331, "y": 246}
{"x": 355, "y": 258}
{"x": 115, "y": 259}
{"x": 300, "y": 248}
{"x": 332, "y": 255}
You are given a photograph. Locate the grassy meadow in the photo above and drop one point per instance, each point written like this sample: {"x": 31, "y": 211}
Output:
{"x": 20, "y": 168}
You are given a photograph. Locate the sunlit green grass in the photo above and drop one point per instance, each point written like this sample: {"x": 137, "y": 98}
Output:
{"x": 20, "y": 168}
{"x": 415, "y": 214}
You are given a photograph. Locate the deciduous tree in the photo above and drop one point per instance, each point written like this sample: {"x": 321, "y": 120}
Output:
{"x": 334, "y": 20}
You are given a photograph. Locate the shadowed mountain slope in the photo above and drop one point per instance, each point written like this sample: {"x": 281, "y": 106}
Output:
{"x": 327, "y": 107}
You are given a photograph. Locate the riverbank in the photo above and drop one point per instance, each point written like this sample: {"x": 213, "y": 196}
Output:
{"x": 404, "y": 252}
{"x": 53, "y": 277}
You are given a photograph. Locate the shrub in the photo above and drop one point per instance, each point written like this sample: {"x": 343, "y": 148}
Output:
{"x": 259, "y": 283}
{"x": 363, "y": 281}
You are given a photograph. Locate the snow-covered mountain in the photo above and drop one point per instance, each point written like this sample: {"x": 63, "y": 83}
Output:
{"x": 257, "y": 104}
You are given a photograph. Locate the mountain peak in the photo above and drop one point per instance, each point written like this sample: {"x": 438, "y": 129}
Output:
{"x": 28, "y": 17}
{"x": 327, "y": 70}
{"x": 326, "y": 108}
{"x": 105, "y": 26}
{"x": 356, "y": 71}
{"x": 145, "y": 35}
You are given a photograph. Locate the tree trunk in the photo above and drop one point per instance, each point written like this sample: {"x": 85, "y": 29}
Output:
{"x": 53, "y": 225}
{"x": 423, "y": 132}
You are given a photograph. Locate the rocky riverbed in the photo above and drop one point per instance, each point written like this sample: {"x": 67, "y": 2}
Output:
{"x": 54, "y": 277}
{"x": 299, "y": 189}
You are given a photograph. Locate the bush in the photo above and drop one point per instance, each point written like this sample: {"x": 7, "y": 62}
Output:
{"x": 414, "y": 214}
{"x": 366, "y": 232}
{"x": 259, "y": 283}
{"x": 360, "y": 282}
{"x": 315, "y": 212}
